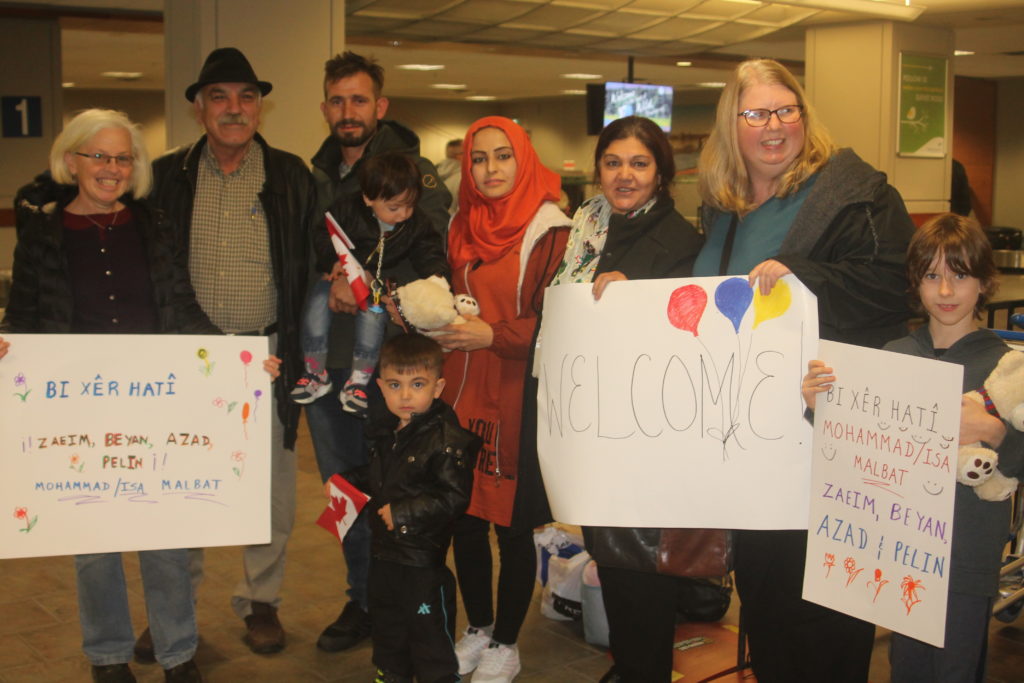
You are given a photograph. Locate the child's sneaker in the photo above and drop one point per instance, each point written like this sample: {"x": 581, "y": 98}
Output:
{"x": 310, "y": 387}
{"x": 498, "y": 664}
{"x": 385, "y": 676}
{"x": 470, "y": 646}
{"x": 354, "y": 399}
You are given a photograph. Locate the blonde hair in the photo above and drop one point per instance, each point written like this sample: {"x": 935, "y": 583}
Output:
{"x": 723, "y": 181}
{"x": 82, "y": 128}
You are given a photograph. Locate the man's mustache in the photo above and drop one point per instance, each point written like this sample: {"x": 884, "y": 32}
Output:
{"x": 348, "y": 122}
{"x": 233, "y": 120}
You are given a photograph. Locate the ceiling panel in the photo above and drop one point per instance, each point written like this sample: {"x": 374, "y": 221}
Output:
{"x": 486, "y": 11}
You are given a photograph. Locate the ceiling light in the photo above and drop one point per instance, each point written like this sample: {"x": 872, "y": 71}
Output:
{"x": 876, "y": 8}
{"x": 583, "y": 77}
{"x": 962, "y": 53}
{"x": 420, "y": 67}
{"x": 481, "y": 98}
{"x": 574, "y": 92}
{"x": 684, "y": 63}
{"x": 67, "y": 84}
{"x": 712, "y": 84}
{"x": 122, "y": 75}
{"x": 448, "y": 86}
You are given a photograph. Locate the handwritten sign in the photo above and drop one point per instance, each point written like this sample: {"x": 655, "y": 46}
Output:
{"x": 882, "y": 489}
{"x": 676, "y": 403}
{"x": 133, "y": 442}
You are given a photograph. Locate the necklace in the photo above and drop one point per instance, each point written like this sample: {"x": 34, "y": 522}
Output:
{"x": 100, "y": 225}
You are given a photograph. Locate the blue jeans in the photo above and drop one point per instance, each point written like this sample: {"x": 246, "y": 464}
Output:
{"x": 339, "y": 445}
{"x": 316, "y": 326}
{"x": 107, "y": 636}
{"x": 369, "y": 336}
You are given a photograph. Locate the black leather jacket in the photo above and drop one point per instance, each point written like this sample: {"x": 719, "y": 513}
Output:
{"x": 425, "y": 472}
{"x": 414, "y": 242}
{"x": 41, "y": 298}
{"x": 289, "y": 202}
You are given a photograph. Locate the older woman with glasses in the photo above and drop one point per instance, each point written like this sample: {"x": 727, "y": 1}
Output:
{"x": 780, "y": 198}
{"x": 93, "y": 258}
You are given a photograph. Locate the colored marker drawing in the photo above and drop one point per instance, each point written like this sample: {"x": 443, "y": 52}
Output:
{"x": 22, "y": 514}
{"x": 207, "y": 368}
{"x": 21, "y": 383}
{"x": 909, "y": 587}
{"x": 75, "y": 463}
{"x": 878, "y": 584}
{"x": 239, "y": 468}
{"x": 246, "y": 358}
{"x": 850, "y": 565}
{"x": 830, "y": 561}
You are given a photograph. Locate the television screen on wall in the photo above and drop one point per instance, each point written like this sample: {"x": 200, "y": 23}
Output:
{"x": 638, "y": 99}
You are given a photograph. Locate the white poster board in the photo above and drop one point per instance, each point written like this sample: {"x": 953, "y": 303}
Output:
{"x": 133, "y": 442}
{"x": 676, "y": 403}
{"x": 882, "y": 489}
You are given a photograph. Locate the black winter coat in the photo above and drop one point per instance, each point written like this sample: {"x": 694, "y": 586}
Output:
{"x": 425, "y": 472}
{"x": 289, "y": 203}
{"x": 41, "y": 300}
{"x": 848, "y": 245}
{"x": 657, "y": 244}
{"x": 414, "y": 241}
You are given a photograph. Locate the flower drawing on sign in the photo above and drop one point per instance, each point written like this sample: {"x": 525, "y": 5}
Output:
{"x": 75, "y": 463}
{"x": 207, "y": 368}
{"x": 850, "y": 565}
{"x": 830, "y": 561}
{"x": 909, "y": 587}
{"x": 21, "y": 383}
{"x": 239, "y": 468}
{"x": 22, "y": 514}
{"x": 878, "y": 583}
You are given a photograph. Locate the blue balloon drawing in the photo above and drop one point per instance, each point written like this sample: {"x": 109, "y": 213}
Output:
{"x": 732, "y": 297}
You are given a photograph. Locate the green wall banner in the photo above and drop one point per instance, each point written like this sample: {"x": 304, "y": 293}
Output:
{"x": 922, "y": 106}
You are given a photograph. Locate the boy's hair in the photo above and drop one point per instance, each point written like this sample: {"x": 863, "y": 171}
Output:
{"x": 389, "y": 175}
{"x": 964, "y": 247}
{"x": 409, "y": 352}
{"x": 349, "y": 64}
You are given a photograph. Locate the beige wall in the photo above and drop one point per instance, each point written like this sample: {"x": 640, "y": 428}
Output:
{"x": 30, "y": 52}
{"x": 1008, "y": 207}
{"x": 144, "y": 107}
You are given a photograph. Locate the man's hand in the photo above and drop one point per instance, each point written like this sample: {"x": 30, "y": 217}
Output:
{"x": 342, "y": 300}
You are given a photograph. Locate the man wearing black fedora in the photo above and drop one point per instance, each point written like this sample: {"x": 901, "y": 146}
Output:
{"x": 243, "y": 212}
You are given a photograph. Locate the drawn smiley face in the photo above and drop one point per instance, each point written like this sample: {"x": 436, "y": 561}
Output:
{"x": 933, "y": 488}
{"x": 946, "y": 441}
{"x": 883, "y": 426}
{"x": 829, "y": 452}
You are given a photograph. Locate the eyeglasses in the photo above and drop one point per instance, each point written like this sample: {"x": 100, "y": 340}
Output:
{"x": 759, "y": 118}
{"x": 100, "y": 159}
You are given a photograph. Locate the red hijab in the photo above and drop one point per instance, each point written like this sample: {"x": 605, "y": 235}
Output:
{"x": 486, "y": 229}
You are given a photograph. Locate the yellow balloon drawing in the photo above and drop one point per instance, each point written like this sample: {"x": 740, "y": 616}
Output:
{"x": 773, "y": 305}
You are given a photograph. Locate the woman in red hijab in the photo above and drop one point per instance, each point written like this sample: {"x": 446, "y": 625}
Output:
{"x": 504, "y": 245}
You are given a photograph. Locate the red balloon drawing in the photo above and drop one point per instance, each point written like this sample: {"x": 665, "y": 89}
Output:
{"x": 246, "y": 357}
{"x": 686, "y": 306}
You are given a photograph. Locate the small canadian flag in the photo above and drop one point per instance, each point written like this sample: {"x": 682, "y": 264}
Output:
{"x": 341, "y": 512}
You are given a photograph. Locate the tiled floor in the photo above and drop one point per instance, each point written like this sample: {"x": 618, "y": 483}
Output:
{"x": 40, "y": 639}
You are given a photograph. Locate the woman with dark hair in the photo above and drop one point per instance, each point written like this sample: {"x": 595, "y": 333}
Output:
{"x": 780, "y": 198}
{"x": 631, "y": 231}
{"x": 504, "y": 245}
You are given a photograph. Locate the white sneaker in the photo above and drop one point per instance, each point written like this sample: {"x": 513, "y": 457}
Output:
{"x": 470, "y": 646}
{"x": 498, "y": 664}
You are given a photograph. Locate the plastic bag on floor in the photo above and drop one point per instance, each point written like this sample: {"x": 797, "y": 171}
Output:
{"x": 560, "y": 563}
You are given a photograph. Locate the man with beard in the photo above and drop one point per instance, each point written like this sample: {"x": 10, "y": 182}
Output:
{"x": 243, "y": 213}
{"x": 354, "y": 110}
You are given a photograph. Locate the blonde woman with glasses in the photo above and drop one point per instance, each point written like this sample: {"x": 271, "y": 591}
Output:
{"x": 780, "y": 198}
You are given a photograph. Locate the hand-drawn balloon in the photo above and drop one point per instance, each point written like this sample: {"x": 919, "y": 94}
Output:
{"x": 772, "y": 306}
{"x": 246, "y": 357}
{"x": 732, "y": 297}
{"x": 686, "y": 306}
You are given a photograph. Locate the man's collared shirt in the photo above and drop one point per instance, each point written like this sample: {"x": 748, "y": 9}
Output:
{"x": 229, "y": 257}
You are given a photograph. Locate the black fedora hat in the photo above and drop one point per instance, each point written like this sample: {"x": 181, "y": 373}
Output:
{"x": 226, "y": 65}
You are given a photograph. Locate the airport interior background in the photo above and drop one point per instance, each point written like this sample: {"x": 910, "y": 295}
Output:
{"x": 449, "y": 62}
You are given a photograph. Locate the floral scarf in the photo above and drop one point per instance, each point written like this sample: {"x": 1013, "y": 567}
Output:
{"x": 587, "y": 237}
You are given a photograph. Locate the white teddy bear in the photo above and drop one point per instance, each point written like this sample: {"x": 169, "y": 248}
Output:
{"x": 427, "y": 304}
{"x": 976, "y": 465}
